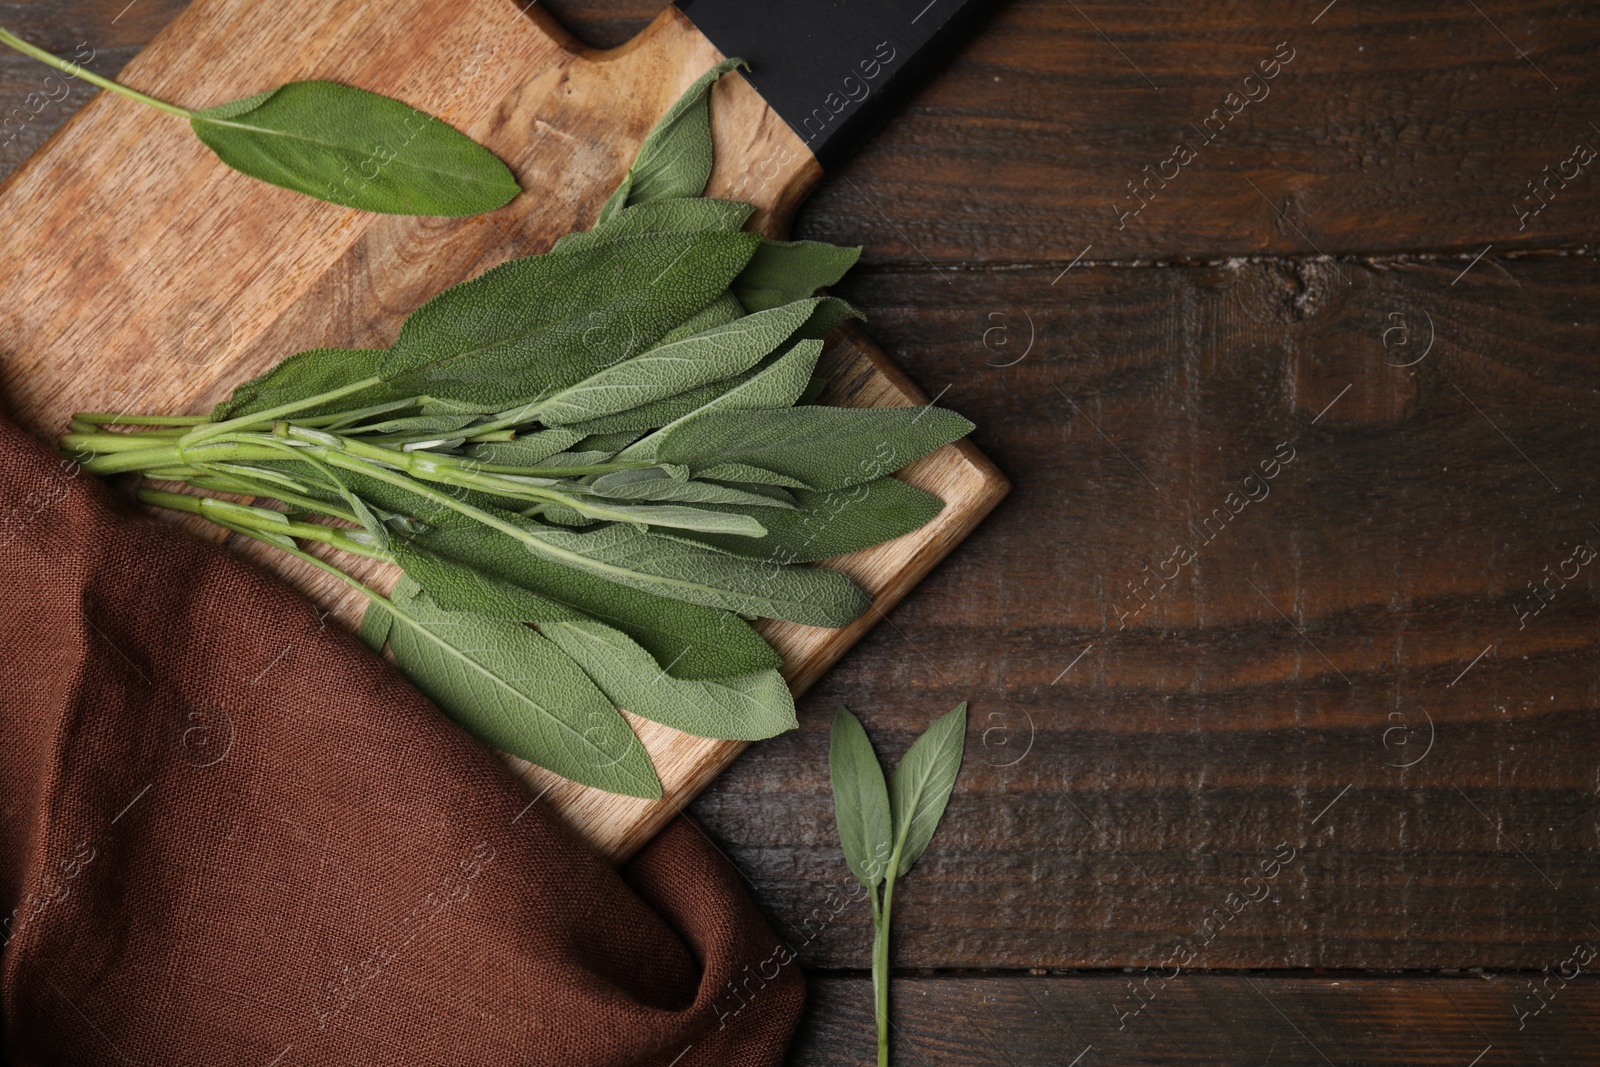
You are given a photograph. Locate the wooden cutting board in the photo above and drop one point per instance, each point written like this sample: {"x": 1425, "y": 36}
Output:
{"x": 142, "y": 275}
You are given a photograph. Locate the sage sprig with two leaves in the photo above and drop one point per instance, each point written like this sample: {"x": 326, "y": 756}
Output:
{"x": 594, "y": 466}
{"x": 337, "y": 143}
{"x": 885, "y": 827}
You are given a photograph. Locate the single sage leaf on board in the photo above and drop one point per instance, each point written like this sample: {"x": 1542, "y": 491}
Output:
{"x": 771, "y": 387}
{"x": 455, "y": 586}
{"x": 677, "y": 366}
{"x": 826, "y": 448}
{"x": 675, "y": 159}
{"x": 860, "y": 801}
{"x": 357, "y": 149}
{"x": 827, "y": 523}
{"x": 529, "y": 327}
{"x": 514, "y": 689}
{"x": 749, "y": 707}
{"x": 782, "y": 271}
{"x": 922, "y": 783}
{"x": 308, "y": 374}
{"x": 693, "y": 215}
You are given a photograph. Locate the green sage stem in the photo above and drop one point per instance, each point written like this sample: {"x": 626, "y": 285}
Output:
{"x": 101, "y": 418}
{"x": 161, "y": 458}
{"x": 234, "y": 516}
{"x": 446, "y": 470}
{"x": 227, "y": 482}
{"x": 880, "y": 959}
{"x": 103, "y": 444}
{"x": 90, "y": 76}
{"x": 323, "y": 565}
{"x": 124, "y": 452}
{"x": 271, "y": 415}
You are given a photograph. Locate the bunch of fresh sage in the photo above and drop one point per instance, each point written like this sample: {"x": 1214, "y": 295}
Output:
{"x": 337, "y": 143}
{"x": 594, "y": 466}
{"x": 885, "y": 827}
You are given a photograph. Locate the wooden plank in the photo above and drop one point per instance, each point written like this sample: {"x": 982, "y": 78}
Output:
{"x": 1250, "y": 1020}
{"x": 1169, "y": 757}
{"x": 130, "y": 295}
{"x": 1392, "y": 129}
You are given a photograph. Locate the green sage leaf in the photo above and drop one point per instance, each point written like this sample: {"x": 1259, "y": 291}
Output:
{"x": 455, "y": 586}
{"x": 784, "y": 271}
{"x": 513, "y": 689}
{"x": 565, "y": 516}
{"x": 578, "y": 459}
{"x": 743, "y": 472}
{"x": 830, "y": 314}
{"x": 434, "y": 405}
{"x": 410, "y": 425}
{"x": 922, "y": 782}
{"x": 813, "y": 391}
{"x": 695, "y": 574}
{"x": 749, "y": 707}
{"x": 308, "y": 374}
{"x": 675, "y": 159}
{"x": 677, "y": 366}
{"x": 694, "y": 215}
{"x": 829, "y": 523}
{"x": 656, "y": 483}
{"x": 774, "y": 386}
{"x": 721, "y": 311}
{"x": 527, "y": 328}
{"x": 356, "y": 149}
{"x": 607, "y": 443}
{"x": 675, "y": 517}
{"x": 772, "y": 391}
{"x": 660, "y": 412}
{"x": 860, "y": 801}
{"x": 376, "y": 622}
{"x": 687, "y": 640}
{"x": 824, "y": 447}
{"x": 528, "y": 450}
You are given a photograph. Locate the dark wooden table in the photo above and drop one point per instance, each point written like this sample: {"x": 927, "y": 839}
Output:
{"x": 1299, "y": 567}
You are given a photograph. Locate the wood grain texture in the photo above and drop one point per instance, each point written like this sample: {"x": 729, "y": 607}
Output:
{"x": 150, "y": 277}
{"x": 1243, "y": 1020}
{"x": 1122, "y": 780}
{"x": 1397, "y": 127}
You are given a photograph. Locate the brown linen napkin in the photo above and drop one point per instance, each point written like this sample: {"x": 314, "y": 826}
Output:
{"x": 231, "y": 834}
